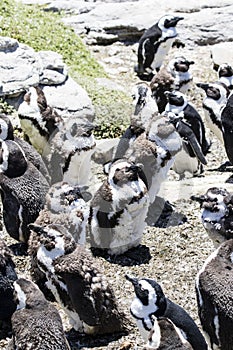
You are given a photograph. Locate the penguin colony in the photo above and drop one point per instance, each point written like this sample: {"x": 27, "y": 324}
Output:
{"x": 47, "y": 206}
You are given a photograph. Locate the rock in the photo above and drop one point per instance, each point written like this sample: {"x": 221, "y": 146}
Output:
{"x": 222, "y": 53}
{"x": 54, "y": 70}
{"x": 104, "y": 150}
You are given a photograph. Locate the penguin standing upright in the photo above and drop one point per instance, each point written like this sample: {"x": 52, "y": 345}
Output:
{"x": 215, "y": 100}
{"x": 36, "y": 323}
{"x": 150, "y": 301}
{"x": 76, "y": 281}
{"x": 225, "y": 75}
{"x": 214, "y": 292}
{"x": 23, "y": 189}
{"x": 155, "y": 43}
{"x": 227, "y": 127}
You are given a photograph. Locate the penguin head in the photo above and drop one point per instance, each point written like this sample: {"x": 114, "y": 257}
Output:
{"x": 180, "y": 64}
{"x": 30, "y": 104}
{"x": 212, "y": 199}
{"x": 176, "y": 98}
{"x": 27, "y": 294}
{"x": 149, "y": 293}
{"x": 122, "y": 172}
{"x": 225, "y": 70}
{"x": 169, "y": 21}
{"x": 6, "y": 128}
{"x": 13, "y": 162}
{"x": 215, "y": 91}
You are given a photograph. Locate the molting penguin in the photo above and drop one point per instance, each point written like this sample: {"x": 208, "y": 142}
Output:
{"x": 76, "y": 281}
{"x": 174, "y": 76}
{"x": 36, "y": 323}
{"x": 7, "y": 133}
{"x": 150, "y": 301}
{"x": 155, "y": 43}
{"x": 190, "y": 158}
{"x": 71, "y": 151}
{"x": 225, "y": 75}
{"x": 23, "y": 189}
{"x": 214, "y": 291}
{"x": 7, "y": 277}
{"x": 217, "y": 213}
{"x": 215, "y": 100}
{"x": 166, "y": 336}
{"x": 39, "y": 121}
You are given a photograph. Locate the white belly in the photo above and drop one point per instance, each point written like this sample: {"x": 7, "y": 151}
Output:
{"x": 184, "y": 163}
{"x": 162, "y": 51}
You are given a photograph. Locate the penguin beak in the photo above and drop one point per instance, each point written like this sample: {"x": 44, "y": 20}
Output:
{"x": 190, "y": 62}
{"x": 131, "y": 279}
{"x": 133, "y": 168}
{"x": 199, "y": 199}
{"x": 175, "y": 20}
{"x": 203, "y": 86}
{"x": 36, "y": 228}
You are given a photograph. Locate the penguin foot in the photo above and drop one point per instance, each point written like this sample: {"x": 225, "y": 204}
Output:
{"x": 224, "y": 166}
{"x": 19, "y": 249}
{"x": 229, "y": 180}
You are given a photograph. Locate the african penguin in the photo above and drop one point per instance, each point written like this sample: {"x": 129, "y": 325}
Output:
{"x": 71, "y": 151}
{"x": 64, "y": 205}
{"x": 76, "y": 281}
{"x": 217, "y": 213}
{"x": 225, "y": 75}
{"x": 190, "y": 158}
{"x": 118, "y": 208}
{"x": 164, "y": 335}
{"x": 150, "y": 301}
{"x": 7, "y": 277}
{"x": 36, "y": 323}
{"x": 155, "y": 43}
{"x": 173, "y": 76}
{"x": 7, "y": 133}
{"x": 214, "y": 292}
{"x": 23, "y": 189}
{"x": 38, "y": 121}
{"x": 213, "y": 103}
{"x": 227, "y": 127}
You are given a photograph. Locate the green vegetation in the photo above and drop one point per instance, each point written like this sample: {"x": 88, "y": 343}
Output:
{"x": 44, "y": 30}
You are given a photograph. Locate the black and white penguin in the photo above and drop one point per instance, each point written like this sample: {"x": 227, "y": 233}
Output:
{"x": 23, "y": 189}
{"x": 71, "y": 151}
{"x": 227, "y": 127}
{"x": 190, "y": 158}
{"x": 225, "y": 75}
{"x": 150, "y": 301}
{"x": 213, "y": 103}
{"x": 76, "y": 281}
{"x": 7, "y": 277}
{"x": 38, "y": 121}
{"x": 36, "y": 324}
{"x": 155, "y": 43}
{"x": 166, "y": 336}
{"x": 217, "y": 213}
{"x": 214, "y": 291}
{"x": 173, "y": 76}
{"x": 118, "y": 209}
{"x": 7, "y": 133}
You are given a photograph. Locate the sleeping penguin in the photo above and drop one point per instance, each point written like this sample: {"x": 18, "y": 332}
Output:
{"x": 155, "y": 43}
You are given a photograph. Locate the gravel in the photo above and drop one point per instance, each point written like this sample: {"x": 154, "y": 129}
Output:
{"x": 173, "y": 254}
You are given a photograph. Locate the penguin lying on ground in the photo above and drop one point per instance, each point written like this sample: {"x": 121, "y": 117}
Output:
{"x": 76, "y": 281}
{"x": 217, "y": 213}
{"x": 166, "y": 336}
{"x": 225, "y": 75}
{"x": 7, "y": 277}
{"x": 150, "y": 301}
{"x": 214, "y": 291}
{"x": 173, "y": 76}
{"x": 36, "y": 323}
{"x": 155, "y": 43}
{"x": 119, "y": 208}
{"x": 7, "y": 133}
{"x": 23, "y": 189}
{"x": 39, "y": 121}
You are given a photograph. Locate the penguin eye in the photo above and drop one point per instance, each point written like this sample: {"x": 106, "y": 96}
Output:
{"x": 134, "y": 97}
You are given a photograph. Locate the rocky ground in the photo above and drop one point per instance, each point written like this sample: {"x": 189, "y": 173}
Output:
{"x": 172, "y": 254}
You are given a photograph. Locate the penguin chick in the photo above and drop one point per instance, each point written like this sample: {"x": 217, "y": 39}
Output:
{"x": 76, "y": 281}
{"x": 36, "y": 323}
{"x": 118, "y": 208}
{"x": 155, "y": 43}
{"x": 150, "y": 301}
{"x": 190, "y": 158}
{"x": 213, "y": 103}
{"x": 217, "y": 213}
{"x": 39, "y": 121}
{"x": 174, "y": 76}
{"x": 7, "y": 133}
{"x": 71, "y": 151}
{"x": 23, "y": 189}
{"x": 7, "y": 277}
{"x": 166, "y": 336}
{"x": 225, "y": 75}
{"x": 214, "y": 292}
